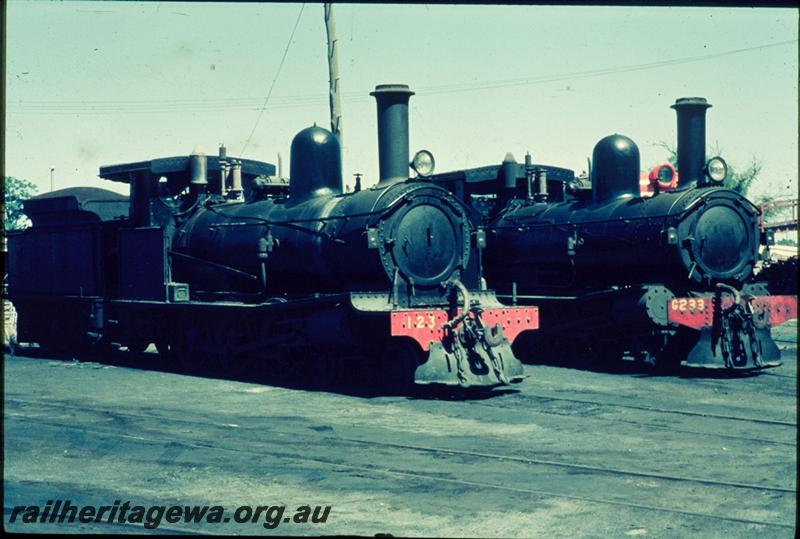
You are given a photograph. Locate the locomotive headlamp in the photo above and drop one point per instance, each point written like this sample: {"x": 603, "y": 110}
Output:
{"x": 716, "y": 169}
{"x": 423, "y": 163}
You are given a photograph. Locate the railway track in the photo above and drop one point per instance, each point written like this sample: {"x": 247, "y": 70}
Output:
{"x": 533, "y": 397}
{"x": 539, "y": 399}
{"x": 150, "y": 361}
{"x": 428, "y": 463}
{"x": 439, "y": 450}
{"x": 439, "y": 478}
{"x": 652, "y": 425}
{"x": 778, "y": 375}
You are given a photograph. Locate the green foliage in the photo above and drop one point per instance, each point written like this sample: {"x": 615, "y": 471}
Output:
{"x": 16, "y": 190}
{"x": 672, "y": 152}
{"x": 741, "y": 181}
{"x": 737, "y": 180}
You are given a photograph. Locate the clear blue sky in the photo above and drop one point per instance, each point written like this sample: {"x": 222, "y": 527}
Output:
{"x": 96, "y": 83}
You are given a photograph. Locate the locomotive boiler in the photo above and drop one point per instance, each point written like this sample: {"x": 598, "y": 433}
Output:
{"x": 684, "y": 238}
{"x": 418, "y": 236}
{"x": 661, "y": 278}
{"x": 390, "y": 274}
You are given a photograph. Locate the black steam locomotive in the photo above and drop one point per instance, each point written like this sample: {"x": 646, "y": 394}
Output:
{"x": 301, "y": 269}
{"x": 389, "y": 274}
{"x": 661, "y": 276}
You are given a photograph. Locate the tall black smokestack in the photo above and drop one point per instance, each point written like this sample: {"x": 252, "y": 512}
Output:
{"x": 393, "y": 156}
{"x": 691, "y": 139}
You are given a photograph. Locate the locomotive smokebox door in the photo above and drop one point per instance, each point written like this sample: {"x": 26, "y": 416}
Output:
{"x": 723, "y": 241}
{"x": 423, "y": 242}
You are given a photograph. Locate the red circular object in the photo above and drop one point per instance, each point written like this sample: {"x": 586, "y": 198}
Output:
{"x": 664, "y": 186}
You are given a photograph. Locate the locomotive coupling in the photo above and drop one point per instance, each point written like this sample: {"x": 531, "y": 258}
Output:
{"x": 734, "y": 327}
{"x": 468, "y": 345}
{"x": 458, "y": 286}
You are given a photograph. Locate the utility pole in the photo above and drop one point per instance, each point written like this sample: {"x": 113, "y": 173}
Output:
{"x": 333, "y": 73}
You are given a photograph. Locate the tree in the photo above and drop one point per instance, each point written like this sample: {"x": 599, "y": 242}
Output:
{"x": 16, "y": 190}
{"x": 739, "y": 181}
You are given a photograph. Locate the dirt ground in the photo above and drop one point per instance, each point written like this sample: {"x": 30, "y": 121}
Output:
{"x": 565, "y": 453}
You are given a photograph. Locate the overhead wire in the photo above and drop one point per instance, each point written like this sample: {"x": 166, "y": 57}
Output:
{"x": 252, "y": 103}
{"x": 596, "y": 72}
{"x": 274, "y": 80}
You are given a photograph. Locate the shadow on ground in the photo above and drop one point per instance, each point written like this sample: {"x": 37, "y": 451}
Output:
{"x": 630, "y": 367}
{"x": 357, "y": 378}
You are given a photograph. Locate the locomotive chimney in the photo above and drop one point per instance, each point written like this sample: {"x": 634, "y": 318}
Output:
{"x": 392, "y": 100}
{"x": 691, "y": 113}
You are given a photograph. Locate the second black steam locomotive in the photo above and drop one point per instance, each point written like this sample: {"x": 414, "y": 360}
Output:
{"x": 662, "y": 276}
{"x": 390, "y": 274}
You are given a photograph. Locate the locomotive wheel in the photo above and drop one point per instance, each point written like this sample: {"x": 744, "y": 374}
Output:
{"x": 137, "y": 346}
{"x": 289, "y": 367}
{"x": 164, "y": 339}
{"x": 184, "y": 351}
{"x": 676, "y": 349}
{"x": 657, "y": 360}
{"x": 325, "y": 369}
{"x": 65, "y": 335}
{"x": 226, "y": 359}
{"x": 163, "y": 348}
{"x": 228, "y": 363}
{"x": 396, "y": 365}
{"x": 12, "y": 345}
{"x": 603, "y": 355}
{"x": 100, "y": 347}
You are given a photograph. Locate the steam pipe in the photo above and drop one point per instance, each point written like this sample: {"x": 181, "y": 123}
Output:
{"x": 393, "y": 156}
{"x": 236, "y": 182}
{"x": 528, "y": 176}
{"x": 223, "y": 170}
{"x": 541, "y": 186}
{"x": 198, "y": 176}
{"x": 509, "y": 168}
